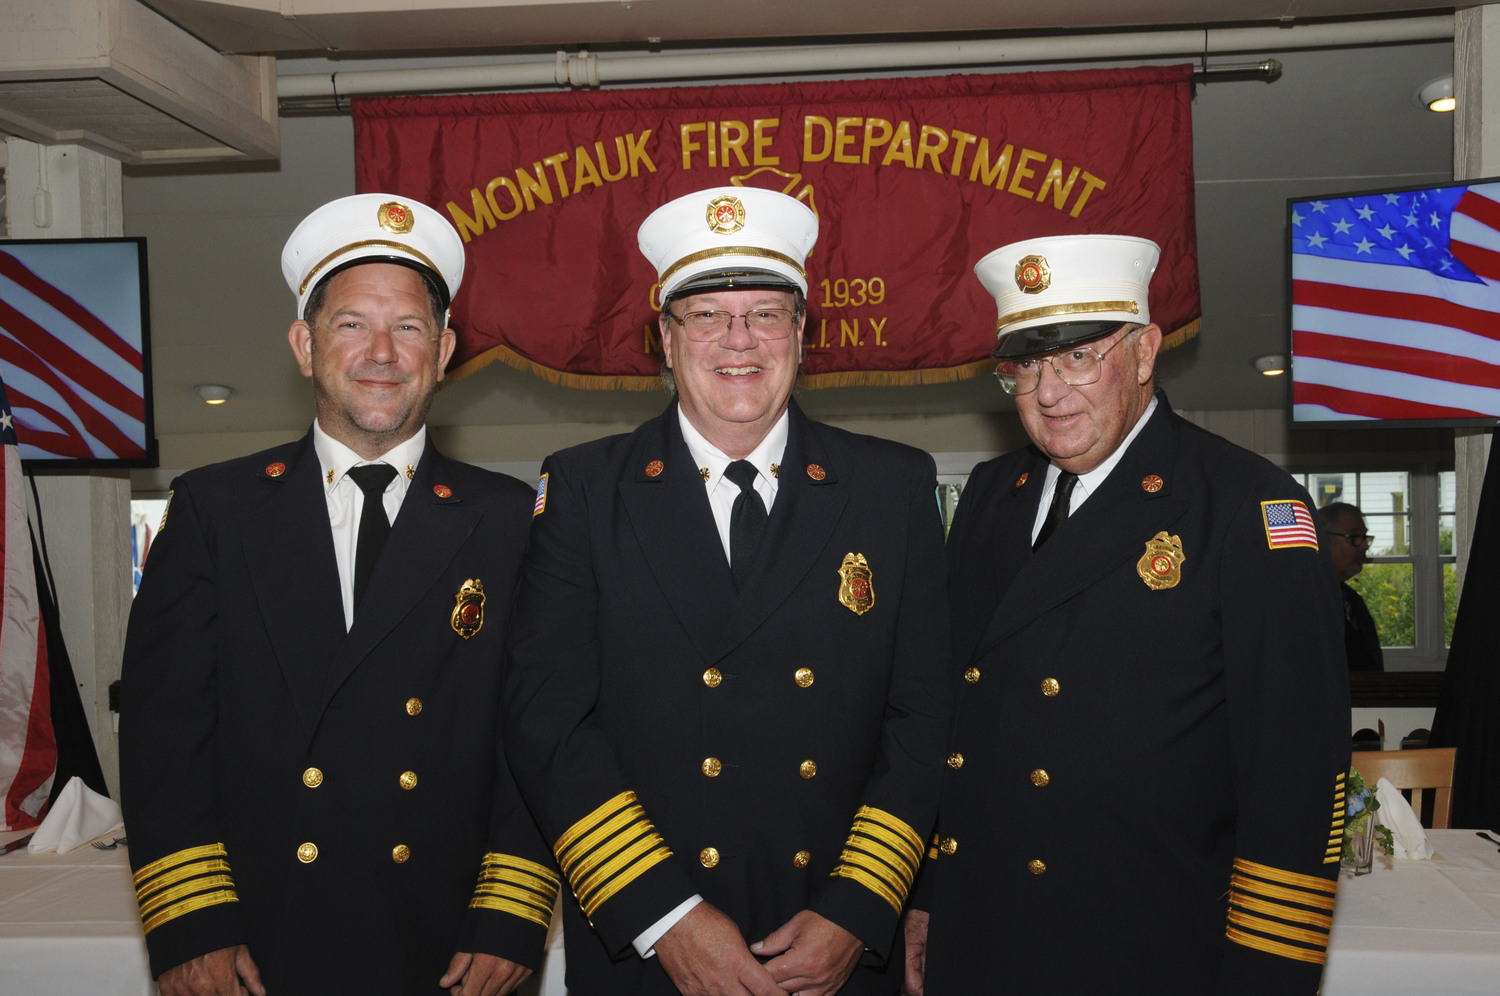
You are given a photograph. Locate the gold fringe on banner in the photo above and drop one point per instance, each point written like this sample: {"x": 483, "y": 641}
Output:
{"x": 810, "y": 382}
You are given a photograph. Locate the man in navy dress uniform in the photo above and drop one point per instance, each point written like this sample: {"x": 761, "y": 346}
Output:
{"x": 726, "y": 702}
{"x": 309, "y": 742}
{"x": 1145, "y": 784}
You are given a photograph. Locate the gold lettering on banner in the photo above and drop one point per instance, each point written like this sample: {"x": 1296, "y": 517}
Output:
{"x": 723, "y": 143}
{"x": 899, "y": 149}
{"x": 763, "y": 141}
{"x": 842, "y": 140}
{"x": 851, "y": 334}
{"x": 931, "y": 145}
{"x": 878, "y": 132}
{"x": 823, "y": 128}
{"x": 1024, "y": 171}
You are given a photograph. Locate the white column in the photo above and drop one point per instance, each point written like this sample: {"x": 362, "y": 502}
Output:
{"x": 59, "y": 192}
{"x": 1476, "y": 153}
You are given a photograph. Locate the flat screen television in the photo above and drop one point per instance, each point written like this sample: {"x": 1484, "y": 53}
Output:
{"x": 1394, "y": 300}
{"x": 75, "y": 351}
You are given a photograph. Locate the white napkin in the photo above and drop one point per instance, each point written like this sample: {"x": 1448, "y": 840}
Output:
{"x": 80, "y": 815}
{"x": 1408, "y": 839}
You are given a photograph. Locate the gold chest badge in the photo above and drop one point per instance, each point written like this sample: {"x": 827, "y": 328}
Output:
{"x": 468, "y": 613}
{"x": 1161, "y": 565}
{"x": 856, "y": 591}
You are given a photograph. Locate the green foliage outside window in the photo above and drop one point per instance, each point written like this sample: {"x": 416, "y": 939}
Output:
{"x": 1387, "y": 591}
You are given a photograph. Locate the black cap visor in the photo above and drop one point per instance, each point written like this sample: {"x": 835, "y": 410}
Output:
{"x": 1049, "y": 338}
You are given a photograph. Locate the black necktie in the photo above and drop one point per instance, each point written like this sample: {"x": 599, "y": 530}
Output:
{"x": 1057, "y": 514}
{"x": 372, "y": 479}
{"x": 747, "y": 520}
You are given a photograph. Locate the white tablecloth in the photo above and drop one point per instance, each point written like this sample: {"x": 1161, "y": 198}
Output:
{"x": 68, "y": 924}
{"x": 1420, "y": 927}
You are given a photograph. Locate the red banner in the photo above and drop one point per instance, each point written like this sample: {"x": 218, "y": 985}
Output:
{"x": 913, "y": 180}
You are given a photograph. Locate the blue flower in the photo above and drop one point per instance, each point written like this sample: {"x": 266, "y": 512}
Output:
{"x": 1354, "y": 806}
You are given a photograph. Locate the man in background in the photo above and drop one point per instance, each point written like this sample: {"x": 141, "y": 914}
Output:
{"x": 726, "y": 701}
{"x": 1145, "y": 782}
{"x": 1348, "y": 547}
{"x": 312, "y": 778}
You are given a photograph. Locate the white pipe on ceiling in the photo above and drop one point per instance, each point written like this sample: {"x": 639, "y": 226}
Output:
{"x": 584, "y": 69}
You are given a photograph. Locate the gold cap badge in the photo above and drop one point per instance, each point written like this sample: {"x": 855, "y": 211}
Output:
{"x": 726, "y": 215}
{"x": 856, "y": 591}
{"x": 1161, "y": 565}
{"x": 395, "y": 217}
{"x": 1033, "y": 275}
{"x": 468, "y": 610}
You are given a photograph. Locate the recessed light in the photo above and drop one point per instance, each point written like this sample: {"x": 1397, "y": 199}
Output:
{"x": 214, "y": 394}
{"x": 1436, "y": 95}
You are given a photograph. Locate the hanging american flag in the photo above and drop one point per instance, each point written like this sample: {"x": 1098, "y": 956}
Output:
{"x": 71, "y": 335}
{"x": 1396, "y": 305}
{"x": 28, "y": 749}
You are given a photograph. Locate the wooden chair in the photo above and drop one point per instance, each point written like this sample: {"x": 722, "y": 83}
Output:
{"x": 1416, "y": 770}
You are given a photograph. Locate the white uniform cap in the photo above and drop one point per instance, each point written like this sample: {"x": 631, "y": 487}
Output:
{"x": 729, "y": 236}
{"x": 373, "y": 228}
{"x": 1067, "y": 289}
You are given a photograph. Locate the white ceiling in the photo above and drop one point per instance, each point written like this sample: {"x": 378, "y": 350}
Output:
{"x": 1338, "y": 119}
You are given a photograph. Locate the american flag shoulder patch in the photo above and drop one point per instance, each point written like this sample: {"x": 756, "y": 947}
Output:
{"x": 1288, "y": 524}
{"x": 541, "y": 497}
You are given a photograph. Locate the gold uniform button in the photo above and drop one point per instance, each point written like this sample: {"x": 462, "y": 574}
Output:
{"x": 1050, "y": 687}
{"x": 803, "y": 677}
{"x": 400, "y": 853}
{"x": 807, "y": 769}
{"x": 312, "y": 778}
{"x": 1039, "y": 777}
{"x": 712, "y": 766}
{"x": 1036, "y": 867}
{"x": 307, "y": 853}
{"x": 948, "y": 845}
{"x": 955, "y": 760}
{"x": 408, "y": 780}
{"x": 800, "y": 859}
{"x": 713, "y": 677}
{"x": 971, "y": 675}
{"x": 708, "y": 857}
{"x": 413, "y": 706}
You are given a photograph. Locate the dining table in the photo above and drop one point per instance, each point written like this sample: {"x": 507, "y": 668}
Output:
{"x": 1420, "y": 928}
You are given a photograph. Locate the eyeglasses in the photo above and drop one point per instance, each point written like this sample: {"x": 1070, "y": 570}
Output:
{"x": 1076, "y": 367}
{"x": 1358, "y": 539}
{"x": 710, "y": 326}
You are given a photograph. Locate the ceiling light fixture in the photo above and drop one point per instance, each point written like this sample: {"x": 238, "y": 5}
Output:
{"x": 1436, "y": 95}
{"x": 214, "y": 394}
{"x": 1272, "y": 364}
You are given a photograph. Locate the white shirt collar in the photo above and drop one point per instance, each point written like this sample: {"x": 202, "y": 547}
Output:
{"x": 765, "y": 458}
{"x": 335, "y": 459}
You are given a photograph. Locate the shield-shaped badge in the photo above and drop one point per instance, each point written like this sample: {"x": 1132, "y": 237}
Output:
{"x": 468, "y": 613}
{"x": 1161, "y": 565}
{"x": 856, "y": 591}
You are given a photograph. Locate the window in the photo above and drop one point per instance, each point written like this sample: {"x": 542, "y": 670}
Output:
{"x": 1408, "y": 580}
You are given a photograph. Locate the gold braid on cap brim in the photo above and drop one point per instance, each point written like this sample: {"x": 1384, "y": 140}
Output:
{"x": 401, "y": 247}
{"x": 1089, "y": 308}
{"x": 754, "y": 252}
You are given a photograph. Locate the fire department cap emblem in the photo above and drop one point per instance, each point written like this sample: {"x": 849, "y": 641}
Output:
{"x": 395, "y": 217}
{"x": 468, "y": 610}
{"x": 726, "y": 215}
{"x": 856, "y": 590}
{"x": 1161, "y": 565}
{"x": 1033, "y": 275}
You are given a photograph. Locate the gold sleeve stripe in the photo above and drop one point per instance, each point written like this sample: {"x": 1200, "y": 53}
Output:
{"x": 896, "y": 825}
{"x": 1323, "y": 920}
{"x": 1313, "y": 938}
{"x": 524, "y": 911}
{"x": 179, "y": 858}
{"x": 608, "y": 849}
{"x": 876, "y": 857}
{"x": 180, "y": 874}
{"x": 870, "y": 882}
{"x": 192, "y": 888}
{"x": 898, "y": 879}
{"x": 897, "y": 843}
{"x": 1276, "y": 947}
{"x": 493, "y": 860}
{"x": 1239, "y": 883}
{"x": 932, "y": 849}
{"x": 188, "y": 906}
{"x": 1285, "y": 877}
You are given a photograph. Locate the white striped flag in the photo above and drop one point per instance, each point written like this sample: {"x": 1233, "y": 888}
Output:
{"x": 1396, "y": 305}
{"x": 70, "y": 342}
{"x": 28, "y": 748}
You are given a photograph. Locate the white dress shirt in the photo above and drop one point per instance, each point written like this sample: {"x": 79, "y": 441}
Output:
{"x": 346, "y": 500}
{"x": 766, "y": 458}
{"x": 1090, "y": 482}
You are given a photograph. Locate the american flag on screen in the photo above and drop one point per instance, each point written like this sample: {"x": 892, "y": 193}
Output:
{"x": 1288, "y": 524}
{"x": 76, "y": 384}
{"x": 28, "y": 748}
{"x": 1396, "y": 305}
